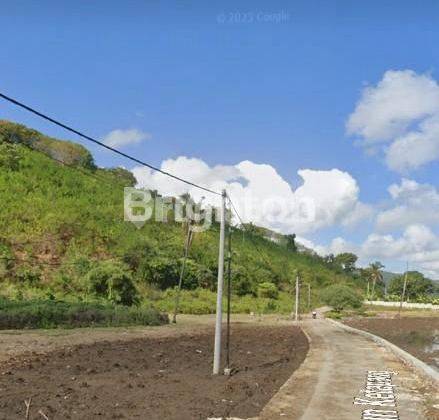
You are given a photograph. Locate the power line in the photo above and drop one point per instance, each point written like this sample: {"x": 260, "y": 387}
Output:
{"x": 132, "y": 158}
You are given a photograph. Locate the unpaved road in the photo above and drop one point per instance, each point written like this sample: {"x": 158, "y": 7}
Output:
{"x": 333, "y": 374}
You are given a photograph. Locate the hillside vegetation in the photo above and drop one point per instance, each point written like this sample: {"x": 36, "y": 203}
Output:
{"x": 63, "y": 237}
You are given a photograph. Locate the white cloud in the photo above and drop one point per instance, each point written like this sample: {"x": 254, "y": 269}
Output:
{"x": 415, "y": 239}
{"x": 417, "y": 244}
{"x": 413, "y": 203}
{"x": 336, "y": 246}
{"x": 360, "y": 213}
{"x": 415, "y": 148}
{"x": 402, "y": 112}
{"x": 119, "y": 137}
{"x": 262, "y": 196}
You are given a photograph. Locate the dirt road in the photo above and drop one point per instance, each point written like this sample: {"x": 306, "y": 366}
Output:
{"x": 334, "y": 373}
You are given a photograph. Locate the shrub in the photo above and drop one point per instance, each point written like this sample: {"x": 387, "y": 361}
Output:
{"x": 242, "y": 283}
{"x": 196, "y": 275}
{"x": 162, "y": 272}
{"x": 340, "y": 297}
{"x": 51, "y": 313}
{"x": 268, "y": 290}
{"x": 6, "y": 260}
{"x": 113, "y": 281}
{"x": 28, "y": 276}
{"x": 9, "y": 156}
{"x": 333, "y": 315}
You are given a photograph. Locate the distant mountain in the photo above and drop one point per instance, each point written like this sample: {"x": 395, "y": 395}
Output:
{"x": 388, "y": 276}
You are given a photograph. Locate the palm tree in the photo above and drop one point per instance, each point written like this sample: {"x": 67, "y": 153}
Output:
{"x": 375, "y": 274}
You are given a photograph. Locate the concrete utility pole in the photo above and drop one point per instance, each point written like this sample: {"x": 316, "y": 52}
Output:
{"x": 229, "y": 297}
{"x": 404, "y": 287}
{"x": 296, "y": 317}
{"x": 219, "y": 296}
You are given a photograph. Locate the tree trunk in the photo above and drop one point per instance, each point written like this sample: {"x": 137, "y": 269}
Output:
{"x": 373, "y": 287}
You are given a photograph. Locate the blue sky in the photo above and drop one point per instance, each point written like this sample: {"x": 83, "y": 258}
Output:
{"x": 206, "y": 83}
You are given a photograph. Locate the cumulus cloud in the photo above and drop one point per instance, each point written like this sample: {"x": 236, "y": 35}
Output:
{"x": 400, "y": 115}
{"x": 415, "y": 239}
{"x": 261, "y": 195}
{"x": 417, "y": 244}
{"x": 119, "y": 137}
{"x": 337, "y": 246}
{"x": 412, "y": 203}
{"x": 415, "y": 148}
{"x": 360, "y": 213}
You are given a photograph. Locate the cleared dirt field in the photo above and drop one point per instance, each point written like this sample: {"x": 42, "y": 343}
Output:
{"x": 154, "y": 377}
{"x": 419, "y": 336}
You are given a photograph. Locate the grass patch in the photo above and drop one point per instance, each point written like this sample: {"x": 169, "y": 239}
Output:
{"x": 334, "y": 315}
{"x": 201, "y": 301}
{"x": 53, "y": 314}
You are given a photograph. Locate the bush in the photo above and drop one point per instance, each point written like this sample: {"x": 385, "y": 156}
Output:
{"x": 333, "y": 315}
{"x": 268, "y": 290}
{"x": 202, "y": 301}
{"x": 9, "y": 156}
{"x": 196, "y": 275}
{"x": 6, "y": 260}
{"x": 162, "y": 272}
{"x": 51, "y": 314}
{"x": 113, "y": 281}
{"x": 28, "y": 276}
{"x": 242, "y": 283}
{"x": 340, "y": 297}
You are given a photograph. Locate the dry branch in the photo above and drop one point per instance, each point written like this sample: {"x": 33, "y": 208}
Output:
{"x": 40, "y": 412}
{"x": 28, "y": 403}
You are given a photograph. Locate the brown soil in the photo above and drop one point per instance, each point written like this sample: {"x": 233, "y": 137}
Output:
{"x": 154, "y": 378}
{"x": 415, "y": 335}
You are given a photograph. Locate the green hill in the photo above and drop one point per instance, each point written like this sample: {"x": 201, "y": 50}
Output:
{"x": 63, "y": 237}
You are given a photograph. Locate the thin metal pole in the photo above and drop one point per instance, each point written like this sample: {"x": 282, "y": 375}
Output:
{"x": 309, "y": 296}
{"x": 219, "y": 297}
{"x": 229, "y": 294}
{"x": 297, "y": 298}
{"x": 404, "y": 287}
{"x": 180, "y": 281}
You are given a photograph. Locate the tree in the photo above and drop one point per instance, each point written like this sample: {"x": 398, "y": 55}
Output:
{"x": 242, "y": 282}
{"x": 375, "y": 274}
{"x": 341, "y": 297}
{"x": 113, "y": 281}
{"x": 268, "y": 290}
{"x": 347, "y": 261}
{"x": 329, "y": 259}
{"x": 123, "y": 175}
{"x": 417, "y": 285}
{"x": 291, "y": 242}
